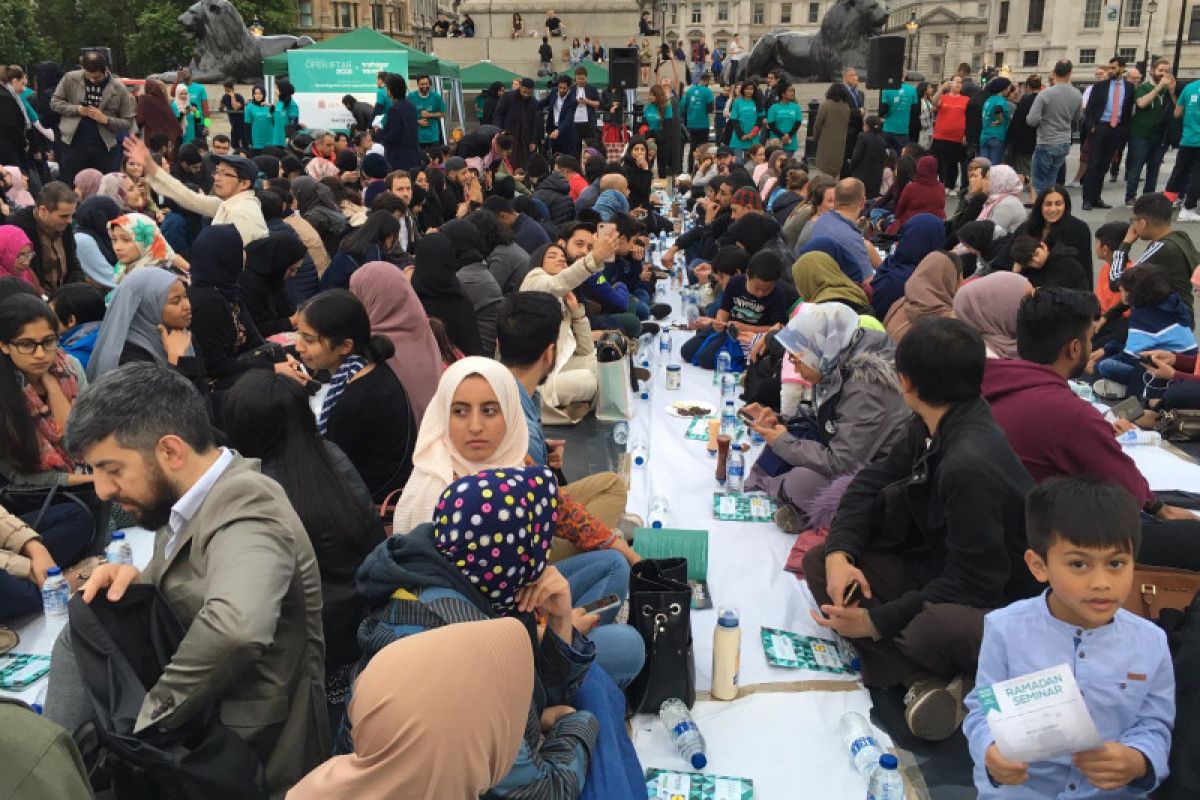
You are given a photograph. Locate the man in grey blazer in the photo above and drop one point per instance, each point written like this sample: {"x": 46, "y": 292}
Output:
{"x": 231, "y": 558}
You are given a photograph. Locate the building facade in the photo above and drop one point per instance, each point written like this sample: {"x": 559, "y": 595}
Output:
{"x": 408, "y": 21}
{"x": 941, "y": 35}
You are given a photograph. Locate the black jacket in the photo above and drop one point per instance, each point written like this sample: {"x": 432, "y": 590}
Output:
{"x": 1098, "y": 101}
{"x": 399, "y": 136}
{"x": 866, "y": 162}
{"x": 555, "y": 192}
{"x": 1022, "y": 138}
{"x": 25, "y": 220}
{"x": 953, "y": 510}
{"x": 12, "y": 131}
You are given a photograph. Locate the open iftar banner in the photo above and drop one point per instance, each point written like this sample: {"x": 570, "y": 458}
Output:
{"x": 323, "y": 77}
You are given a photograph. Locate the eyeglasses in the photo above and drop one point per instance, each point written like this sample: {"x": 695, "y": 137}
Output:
{"x": 223, "y": 174}
{"x": 28, "y": 347}
{"x": 25, "y": 257}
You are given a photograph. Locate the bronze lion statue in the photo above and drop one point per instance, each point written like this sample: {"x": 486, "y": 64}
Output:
{"x": 841, "y": 43}
{"x": 225, "y": 48}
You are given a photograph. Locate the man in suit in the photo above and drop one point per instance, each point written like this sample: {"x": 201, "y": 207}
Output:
{"x": 587, "y": 100}
{"x": 1108, "y": 111}
{"x": 232, "y": 560}
{"x": 559, "y": 107}
{"x": 858, "y": 101}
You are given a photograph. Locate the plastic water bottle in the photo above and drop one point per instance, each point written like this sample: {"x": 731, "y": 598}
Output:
{"x": 735, "y": 471}
{"x": 660, "y": 511}
{"x": 645, "y": 350}
{"x": 691, "y": 308}
{"x": 688, "y": 740}
{"x": 1152, "y": 438}
{"x": 723, "y": 364}
{"x": 118, "y": 550}
{"x": 664, "y": 342}
{"x": 728, "y": 420}
{"x": 56, "y": 593}
{"x": 660, "y": 292}
{"x": 639, "y": 453}
{"x": 620, "y": 433}
{"x": 859, "y": 737}
{"x": 729, "y": 387}
{"x": 885, "y": 782}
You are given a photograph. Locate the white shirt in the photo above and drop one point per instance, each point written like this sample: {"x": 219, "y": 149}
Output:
{"x": 581, "y": 111}
{"x": 186, "y": 507}
{"x": 558, "y": 104}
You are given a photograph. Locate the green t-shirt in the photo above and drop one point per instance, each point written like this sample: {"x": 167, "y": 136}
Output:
{"x": 745, "y": 111}
{"x": 786, "y": 117}
{"x": 284, "y": 115}
{"x": 198, "y": 95}
{"x": 654, "y": 120}
{"x": 261, "y": 125}
{"x": 899, "y": 102}
{"x": 1189, "y": 100}
{"x": 697, "y": 101}
{"x": 434, "y": 104}
{"x": 383, "y": 102}
{"x": 1146, "y": 122}
{"x": 996, "y": 115}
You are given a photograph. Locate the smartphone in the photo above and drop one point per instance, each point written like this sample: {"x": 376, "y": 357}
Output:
{"x": 606, "y": 603}
{"x": 852, "y": 594}
{"x": 1147, "y": 360}
{"x": 602, "y": 227}
{"x": 746, "y": 416}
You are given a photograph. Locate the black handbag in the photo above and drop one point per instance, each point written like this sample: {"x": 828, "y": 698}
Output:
{"x": 660, "y": 608}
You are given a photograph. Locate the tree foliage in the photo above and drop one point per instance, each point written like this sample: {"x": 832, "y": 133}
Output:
{"x": 144, "y": 35}
{"x": 20, "y": 40}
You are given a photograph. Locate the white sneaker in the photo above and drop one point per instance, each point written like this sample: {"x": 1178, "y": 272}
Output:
{"x": 1107, "y": 389}
{"x": 1188, "y": 215}
{"x": 1073, "y": 185}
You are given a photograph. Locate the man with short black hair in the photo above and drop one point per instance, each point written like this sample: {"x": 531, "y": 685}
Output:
{"x": 1154, "y": 101}
{"x": 48, "y": 224}
{"x": 698, "y": 103}
{"x": 232, "y": 201}
{"x": 232, "y": 560}
{"x": 431, "y": 108}
{"x": 930, "y": 537}
{"x": 587, "y": 100}
{"x": 96, "y": 110}
{"x": 559, "y": 106}
{"x": 1053, "y": 113}
{"x": 234, "y": 106}
{"x": 1170, "y": 249}
{"x": 362, "y": 112}
{"x": 517, "y": 115}
{"x": 222, "y": 145}
{"x": 1109, "y": 110}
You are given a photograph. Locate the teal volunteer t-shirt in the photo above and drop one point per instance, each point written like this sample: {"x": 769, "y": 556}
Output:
{"x": 1190, "y": 101}
{"x": 746, "y": 113}
{"x": 433, "y": 103}
{"x": 899, "y": 102}
{"x": 786, "y": 117}
{"x": 697, "y": 100}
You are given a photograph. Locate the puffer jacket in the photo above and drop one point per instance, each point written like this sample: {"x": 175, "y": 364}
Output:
{"x": 555, "y": 192}
{"x": 858, "y": 411}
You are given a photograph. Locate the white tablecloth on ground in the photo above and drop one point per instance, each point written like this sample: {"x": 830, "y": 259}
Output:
{"x": 38, "y": 632}
{"x": 780, "y": 739}
{"x": 1164, "y": 470}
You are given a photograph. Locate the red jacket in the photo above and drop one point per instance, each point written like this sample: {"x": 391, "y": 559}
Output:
{"x": 1053, "y": 431}
{"x": 924, "y": 194}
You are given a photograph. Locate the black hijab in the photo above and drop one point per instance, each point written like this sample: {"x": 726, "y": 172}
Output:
{"x": 753, "y": 232}
{"x": 310, "y": 194}
{"x": 263, "y": 280}
{"x": 92, "y": 217}
{"x": 268, "y": 166}
{"x": 436, "y": 284}
{"x": 468, "y": 244}
{"x": 216, "y": 259}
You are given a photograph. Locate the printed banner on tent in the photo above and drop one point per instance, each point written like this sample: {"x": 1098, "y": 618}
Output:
{"x": 323, "y": 77}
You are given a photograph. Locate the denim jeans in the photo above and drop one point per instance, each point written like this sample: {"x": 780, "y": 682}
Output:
{"x": 1047, "y": 161}
{"x": 992, "y": 150}
{"x": 1146, "y": 153}
{"x": 592, "y": 575}
{"x": 1185, "y": 178}
{"x": 1119, "y": 368}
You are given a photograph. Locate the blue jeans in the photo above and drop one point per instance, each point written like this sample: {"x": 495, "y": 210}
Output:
{"x": 619, "y": 648}
{"x": 1047, "y": 160}
{"x": 1119, "y": 368}
{"x": 992, "y": 150}
{"x": 1146, "y": 153}
{"x": 595, "y": 574}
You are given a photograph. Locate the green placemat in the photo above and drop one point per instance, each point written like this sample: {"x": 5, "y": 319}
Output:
{"x": 18, "y": 670}
{"x": 787, "y": 649}
{"x": 662, "y": 784}
{"x": 744, "y": 507}
{"x": 697, "y": 429}
{"x": 675, "y": 543}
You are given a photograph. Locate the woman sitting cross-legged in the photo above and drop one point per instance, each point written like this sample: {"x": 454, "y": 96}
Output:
{"x": 475, "y": 422}
{"x": 856, "y": 407}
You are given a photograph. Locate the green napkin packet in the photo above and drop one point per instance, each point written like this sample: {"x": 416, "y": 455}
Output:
{"x": 675, "y": 543}
{"x": 697, "y": 429}
{"x": 743, "y": 507}
{"x": 662, "y": 784}
{"x": 787, "y": 649}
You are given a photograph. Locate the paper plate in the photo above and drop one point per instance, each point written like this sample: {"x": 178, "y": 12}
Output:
{"x": 700, "y": 408}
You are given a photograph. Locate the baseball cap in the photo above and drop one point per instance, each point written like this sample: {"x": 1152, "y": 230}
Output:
{"x": 455, "y": 163}
{"x": 724, "y": 150}
{"x": 246, "y": 169}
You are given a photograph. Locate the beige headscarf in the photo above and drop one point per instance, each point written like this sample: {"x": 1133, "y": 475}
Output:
{"x": 436, "y": 462}
{"x": 440, "y": 714}
{"x": 929, "y": 292}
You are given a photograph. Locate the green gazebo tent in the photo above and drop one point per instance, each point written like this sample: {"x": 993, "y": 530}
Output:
{"x": 370, "y": 39}
{"x": 478, "y": 77}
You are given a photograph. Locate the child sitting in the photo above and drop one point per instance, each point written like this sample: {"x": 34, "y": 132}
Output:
{"x": 1083, "y": 539}
{"x": 712, "y": 278}
{"x": 751, "y": 304}
{"x": 1159, "y": 320}
{"x": 1115, "y": 322}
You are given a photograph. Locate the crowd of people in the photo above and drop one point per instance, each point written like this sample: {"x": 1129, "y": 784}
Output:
{"x": 321, "y": 365}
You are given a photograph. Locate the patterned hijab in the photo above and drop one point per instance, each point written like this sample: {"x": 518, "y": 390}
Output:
{"x": 153, "y": 249}
{"x": 820, "y": 334}
{"x": 496, "y": 527}
{"x": 1003, "y": 181}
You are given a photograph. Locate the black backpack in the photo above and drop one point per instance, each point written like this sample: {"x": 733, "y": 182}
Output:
{"x": 121, "y": 649}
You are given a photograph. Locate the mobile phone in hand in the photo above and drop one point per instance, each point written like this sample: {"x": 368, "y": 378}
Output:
{"x": 746, "y": 416}
{"x": 606, "y": 603}
{"x": 852, "y": 594}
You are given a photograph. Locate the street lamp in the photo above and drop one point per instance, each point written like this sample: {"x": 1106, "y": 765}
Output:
{"x": 912, "y": 26}
{"x": 256, "y": 27}
{"x": 1151, "y": 7}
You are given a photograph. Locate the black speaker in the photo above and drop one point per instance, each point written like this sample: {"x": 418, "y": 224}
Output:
{"x": 885, "y": 62}
{"x": 623, "y": 67}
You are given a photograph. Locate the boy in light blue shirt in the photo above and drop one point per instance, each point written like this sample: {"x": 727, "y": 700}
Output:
{"x": 1083, "y": 538}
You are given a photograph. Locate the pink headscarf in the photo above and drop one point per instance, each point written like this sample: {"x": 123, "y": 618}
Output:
{"x": 1003, "y": 181}
{"x": 319, "y": 168}
{"x": 18, "y": 195}
{"x": 87, "y": 182}
{"x": 12, "y": 240}
{"x": 396, "y": 312}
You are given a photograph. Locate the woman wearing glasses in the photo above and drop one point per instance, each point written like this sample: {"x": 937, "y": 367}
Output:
{"x": 38, "y": 384}
{"x": 16, "y": 254}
